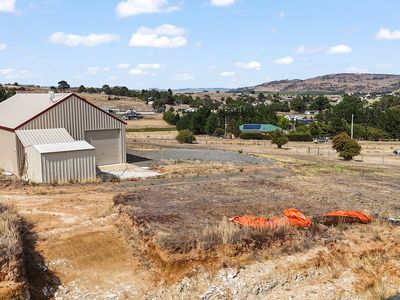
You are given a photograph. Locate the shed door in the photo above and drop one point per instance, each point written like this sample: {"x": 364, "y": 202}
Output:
{"x": 107, "y": 144}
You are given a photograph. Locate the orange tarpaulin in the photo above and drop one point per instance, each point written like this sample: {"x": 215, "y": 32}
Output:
{"x": 363, "y": 218}
{"x": 291, "y": 217}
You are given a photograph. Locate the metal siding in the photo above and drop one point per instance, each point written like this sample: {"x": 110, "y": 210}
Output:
{"x": 8, "y": 152}
{"x": 107, "y": 145}
{"x": 34, "y": 170}
{"x": 62, "y": 167}
{"x": 43, "y": 136}
{"x": 77, "y": 116}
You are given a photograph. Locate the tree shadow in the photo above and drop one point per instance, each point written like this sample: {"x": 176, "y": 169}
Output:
{"x": 43, "y": 283}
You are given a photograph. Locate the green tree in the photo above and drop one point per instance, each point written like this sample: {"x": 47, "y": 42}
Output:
{"x": 279, "y": 138}
{"x": 185, "y": 137}
{"x": 212, "y": 123}
{"x": 346, "y": 146}
{"x": 298, "y": 104}
{"x": 63, "y": 85}
{"x": 319, "y": 103}
{"x": 106, "y": 89}
{"x": 81, "y": 89}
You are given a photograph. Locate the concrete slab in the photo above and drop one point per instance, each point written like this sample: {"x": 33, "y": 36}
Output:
{"x": 126, "y": 171}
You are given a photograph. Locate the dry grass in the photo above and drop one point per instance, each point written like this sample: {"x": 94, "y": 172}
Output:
{"x": 11, "y": 244}
{"x": 195, "y": 168}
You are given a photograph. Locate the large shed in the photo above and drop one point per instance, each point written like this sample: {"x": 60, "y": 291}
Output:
{"x": 58, "y": 137}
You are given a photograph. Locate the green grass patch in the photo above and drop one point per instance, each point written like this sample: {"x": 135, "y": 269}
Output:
{"x": 149, "y": 129}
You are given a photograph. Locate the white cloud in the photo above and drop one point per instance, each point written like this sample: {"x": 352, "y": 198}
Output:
{"x": 222, "y": 2}
{"x": 97, "y": 70}
{"x": 288, "y": 60}
{"x": 136, "y": 72}
{"x": 123, "y": 66}
{"x": 282, "y": 15}
{"x": 2, "y": 46}
{"x": 340, "y": 49}
{"x": 90, "y": 40}
{"x": 113, "y": 77}
{"x": 252, "y": 65}
{"x": 357, "y": 70}
{"x": 7, "y": 5}
{"x": 164, "y": 36}
{"x": 227, "y": 74}
{"x": 152, "y": 66}
{"x": 387, "y": 34}
{"x": 137, "y": 7}
{"x": 184, "y": 77}
{"x": 198, "y": 45}
{"x": 305, "y": 50}
{"x": 384, "y": 66}
{"x": 10, "y": 73}
{"x": 5, "y": 72}
{"x": 213, "y": 67}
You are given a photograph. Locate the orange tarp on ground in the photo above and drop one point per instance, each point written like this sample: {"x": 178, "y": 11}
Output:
{"x": 363, "y": 218}
{"x": 292, "y": 217}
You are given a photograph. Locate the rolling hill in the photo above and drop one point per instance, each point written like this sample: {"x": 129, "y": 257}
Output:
{"x": 335, "y": 83}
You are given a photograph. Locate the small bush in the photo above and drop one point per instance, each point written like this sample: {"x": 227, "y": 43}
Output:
{"x": 185, "y": 137}
{"x": 350, "y": 149}
{"x": 300, "y": 137}
{"x": 346, "y": 146}
{"x": 253, "y": 136}
{"x": 279, "y": 138}
{"x": 219, "y": 132}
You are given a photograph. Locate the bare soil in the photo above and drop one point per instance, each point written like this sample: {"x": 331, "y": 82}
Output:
{"x": 81, "y": 251}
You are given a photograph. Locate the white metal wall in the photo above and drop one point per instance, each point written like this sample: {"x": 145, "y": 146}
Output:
{"x": 60, "y": 167}
{"x": 77, "y": 116}
{"x": 8, "y": 152}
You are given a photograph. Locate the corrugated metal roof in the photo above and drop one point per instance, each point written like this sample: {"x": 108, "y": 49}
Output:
{"x": 43, "y": 136}
{"x": 21, "y": 107}
{"x": 63, "y": 147}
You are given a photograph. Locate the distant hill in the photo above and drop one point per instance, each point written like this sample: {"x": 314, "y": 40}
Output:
{"x": 335, "y": 83}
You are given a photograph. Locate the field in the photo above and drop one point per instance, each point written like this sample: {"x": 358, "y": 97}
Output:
{"x": 168, "y": 237}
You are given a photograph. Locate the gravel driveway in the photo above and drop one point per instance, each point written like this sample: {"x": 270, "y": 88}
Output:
{"x": 199, "y": 154}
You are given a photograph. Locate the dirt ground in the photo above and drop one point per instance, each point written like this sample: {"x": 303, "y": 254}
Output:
{"x": 78, "y": 234}
{"x": 149, "y": 121}
{"x": 121, "y": 103}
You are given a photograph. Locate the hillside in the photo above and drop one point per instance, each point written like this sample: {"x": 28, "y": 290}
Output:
{"x": 335, "y": 83}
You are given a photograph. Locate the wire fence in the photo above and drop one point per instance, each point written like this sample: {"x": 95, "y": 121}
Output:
{"x": 370, "y": 154}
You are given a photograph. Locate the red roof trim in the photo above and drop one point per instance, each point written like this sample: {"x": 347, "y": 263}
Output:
{"x": 59, "y": 102}
{"x": 6, "y": 128}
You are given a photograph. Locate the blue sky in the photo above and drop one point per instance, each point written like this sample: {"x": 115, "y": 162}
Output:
{"x": 196, "y": 43}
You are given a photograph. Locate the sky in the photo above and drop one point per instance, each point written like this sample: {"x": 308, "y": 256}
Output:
{"x": 197, "y": 43}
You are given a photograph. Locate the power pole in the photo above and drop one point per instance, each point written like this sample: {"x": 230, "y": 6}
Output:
{"x": 226, "y": 125}
{"x": 352, "y": 125}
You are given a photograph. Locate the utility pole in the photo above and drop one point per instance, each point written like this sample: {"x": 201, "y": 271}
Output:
{"x": 226, "y": 125}
{"x": 352, "y": 125}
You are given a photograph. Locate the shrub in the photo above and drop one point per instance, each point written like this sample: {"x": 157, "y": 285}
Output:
{"x": 346, "y": 146}
{"x": 185, "y": 137}
{"x": 350, "y": 149}
{"x": 219, "y": 132}
{"x": 300, "y": 137}
{"x": 253, "y": 136}
{"x": 339, "y": 141}
{"x": 279, "y": 138}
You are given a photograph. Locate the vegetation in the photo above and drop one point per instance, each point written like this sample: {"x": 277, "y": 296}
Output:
{"x": 6, "y": 93}
{"x": 185, "y": 137}
{"x": 346, "y": 146}
{"x": 150, "y": 129}
{"x": 254, "y": 136}
{"x": 279, "y": 138}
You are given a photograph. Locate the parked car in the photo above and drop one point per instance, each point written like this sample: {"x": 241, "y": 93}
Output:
{"x": 396, "y": 152}
{"x": 320, "y": 140}
{"x": 132, "y": 116}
